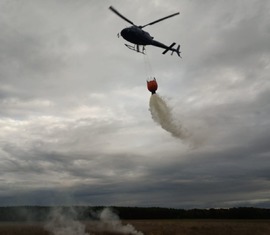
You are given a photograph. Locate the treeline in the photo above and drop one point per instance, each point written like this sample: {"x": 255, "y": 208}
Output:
{"x": 39, "y": 213}
{"x": 170, "y": 213}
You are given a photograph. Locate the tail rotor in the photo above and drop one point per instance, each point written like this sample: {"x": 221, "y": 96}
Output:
{"x": 170, "y": 48}
{"x": 177, "y": 50}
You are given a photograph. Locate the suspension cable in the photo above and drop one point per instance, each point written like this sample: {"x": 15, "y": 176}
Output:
{"x": 148, "y": 68}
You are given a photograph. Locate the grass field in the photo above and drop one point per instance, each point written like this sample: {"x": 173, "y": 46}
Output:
{"x": 203, "y": 227}
{"x": 155, "y": 227}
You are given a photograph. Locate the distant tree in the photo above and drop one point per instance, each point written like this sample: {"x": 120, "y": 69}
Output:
{"x": 38, "y": 213}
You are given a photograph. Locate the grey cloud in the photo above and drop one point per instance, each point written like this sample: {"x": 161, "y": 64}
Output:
{"x": 74, "y": 119}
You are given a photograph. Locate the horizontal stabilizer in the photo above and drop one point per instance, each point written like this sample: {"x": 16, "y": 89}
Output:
{"x": 169, "y": 48}
{"x": 177, "y": 50}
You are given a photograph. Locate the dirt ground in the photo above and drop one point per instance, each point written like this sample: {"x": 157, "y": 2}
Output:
{"x": 203, "y": 227}
{"x": 153, "y": 227}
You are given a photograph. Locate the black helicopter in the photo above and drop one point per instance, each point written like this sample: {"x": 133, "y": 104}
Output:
{"x": 139, "y": 37}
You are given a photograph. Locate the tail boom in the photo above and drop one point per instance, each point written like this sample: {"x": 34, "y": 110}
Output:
{"x": 167, "y": 48}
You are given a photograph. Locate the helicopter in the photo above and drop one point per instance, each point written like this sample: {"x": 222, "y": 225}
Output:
{"x": 140, "y": 38}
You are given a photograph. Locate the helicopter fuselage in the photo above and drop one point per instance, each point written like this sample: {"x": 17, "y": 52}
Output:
{"x": 136, "y": 35}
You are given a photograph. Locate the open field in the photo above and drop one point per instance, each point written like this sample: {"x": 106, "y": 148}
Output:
{"x": 155, "y": 227}
{"x": 203, "y": 227}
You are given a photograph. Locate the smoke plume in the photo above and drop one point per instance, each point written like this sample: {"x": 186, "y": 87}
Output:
{"x": 162, "y": 114}
{"x": 65, "y": 223}
{"x": 109, "y": 221}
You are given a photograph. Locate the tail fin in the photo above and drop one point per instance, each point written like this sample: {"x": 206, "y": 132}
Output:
{"x": 170, "y": 48}
{"x": 177, "y": 51}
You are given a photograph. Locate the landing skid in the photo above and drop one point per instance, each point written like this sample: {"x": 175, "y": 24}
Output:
{"x": 136, "y": 48}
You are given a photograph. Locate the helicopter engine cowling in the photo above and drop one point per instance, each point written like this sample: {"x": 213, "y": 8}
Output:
{"x": 136, "y": 35}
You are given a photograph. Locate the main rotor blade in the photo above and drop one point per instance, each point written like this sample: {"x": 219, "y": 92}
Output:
{"x": 164, "y": 18}
{"x": 117, "y": 13}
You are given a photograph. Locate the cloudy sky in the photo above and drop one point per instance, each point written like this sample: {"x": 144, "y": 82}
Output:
{"x": 74, "y": 107}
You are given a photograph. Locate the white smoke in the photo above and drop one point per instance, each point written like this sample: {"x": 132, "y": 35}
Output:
{"x": 63, "y": 223}
{"x": 110, "y": 222}
{"x": 162, "y": 114}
